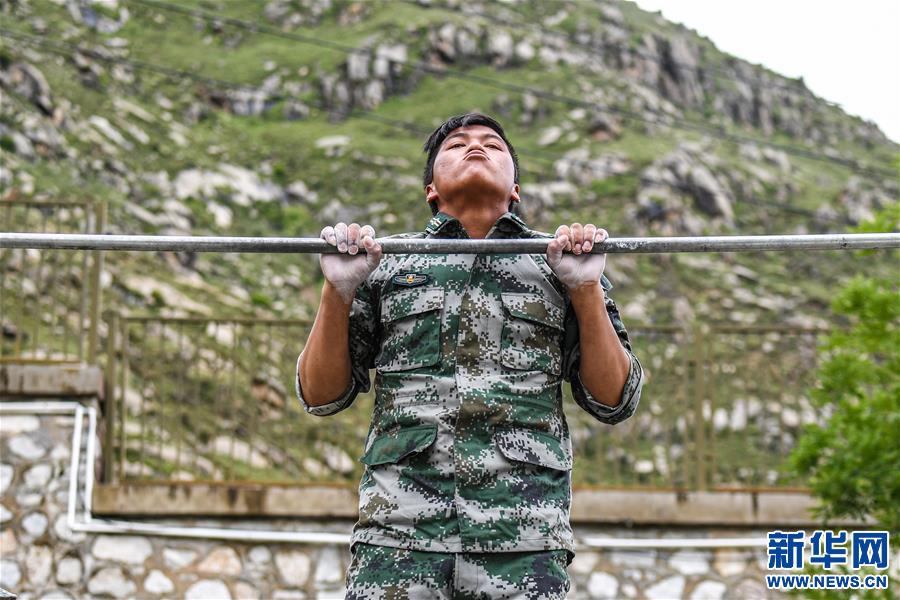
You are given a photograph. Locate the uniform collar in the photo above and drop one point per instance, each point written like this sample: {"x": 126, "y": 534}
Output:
{"x": 444, "y": 225}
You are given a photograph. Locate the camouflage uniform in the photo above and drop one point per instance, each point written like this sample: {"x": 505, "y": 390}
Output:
{"x": 469, "y": 450}
{"x": 382, "y": 572}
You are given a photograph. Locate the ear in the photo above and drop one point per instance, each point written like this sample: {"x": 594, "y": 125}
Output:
{"x": 514, "y": 194}
{"x": 431, "y": 193}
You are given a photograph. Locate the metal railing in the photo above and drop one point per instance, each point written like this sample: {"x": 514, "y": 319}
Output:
{"x": 722, "y": 407}
{"x": 195, "y": 399}
{"x": 50, "y": 299}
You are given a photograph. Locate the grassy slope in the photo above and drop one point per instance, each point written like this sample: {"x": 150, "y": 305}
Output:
{"x": 289, "y": 147}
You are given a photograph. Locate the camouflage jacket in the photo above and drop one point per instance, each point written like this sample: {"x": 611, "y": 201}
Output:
{"x": 469, "y": 450}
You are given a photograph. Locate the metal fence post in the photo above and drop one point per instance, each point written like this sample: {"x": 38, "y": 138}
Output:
{"x": 698, "y": 349}
{"x": 109, "y": 416}
{"x": 96, "y": 292}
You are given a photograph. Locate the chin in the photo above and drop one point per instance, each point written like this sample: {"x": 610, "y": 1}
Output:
{"x": 482, "y": 180}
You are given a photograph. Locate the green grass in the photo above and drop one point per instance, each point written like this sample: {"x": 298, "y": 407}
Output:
{"x": 356, "y": 179}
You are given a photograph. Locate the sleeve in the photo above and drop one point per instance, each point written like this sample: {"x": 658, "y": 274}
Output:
{"x": 364, "y": 336}
{"x": 631, "y": 393}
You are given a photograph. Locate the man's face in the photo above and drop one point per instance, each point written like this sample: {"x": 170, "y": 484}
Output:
{"x": 473, "y": 161}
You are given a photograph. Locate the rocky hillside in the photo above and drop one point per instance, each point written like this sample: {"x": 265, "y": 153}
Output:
{"x": 240, "y": 118}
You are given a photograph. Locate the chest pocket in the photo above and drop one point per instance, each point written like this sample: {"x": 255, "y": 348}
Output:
{"x": 532, "y": 333}
{"x": 411, "y": 322}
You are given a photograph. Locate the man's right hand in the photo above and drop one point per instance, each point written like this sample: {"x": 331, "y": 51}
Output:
{"x": 344, "y": 272}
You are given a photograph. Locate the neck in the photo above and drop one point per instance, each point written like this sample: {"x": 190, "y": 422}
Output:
{"x": 476, "y": 218}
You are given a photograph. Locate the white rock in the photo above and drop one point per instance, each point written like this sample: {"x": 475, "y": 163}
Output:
{"x": 524, "y": 51}
{"x": 35, "y": 524}
{"x": 27, "y": 448}
{"x": 148, "y": 286}
{"x": 55, "y": 595}
{"x": 221, "y": 561}
{"x": 136, "y": 132}
{"x": 299, "y": 595}
{"x": 670, "y": 587}
{"x": 125, "y": 549}
{"x": 583, "y": 563}
{"x": 333, "y": 143}
{"x": 328, "y": 566}
{"x": 13, "y": 424}
{"x": 38, "y": 563}
{"x": 222, "y": 215}
{"x": 790, "y": 417}
{"x": 298, "y": 190}
{"x": 643, "y": 467}
{"x": 500, "y": 44}
{"x": 335, "y": 458}
{"x": 549, "y": 136}
{"x": 739, "y": 415}
{"x": 133, "y": 109}
{"x": 636, "y": 559}
{"x": 27, "y": 499}
{"x": 709, "y": 590}
{"x": 751, "y": 589}
{"x": 8, "y": 542}
{"x": 720, "y": 419}
{"x": 112, "y": 581}
{"x": 208, "y": 589}
{"x": 730, "y": 562}
{"x": 314, "y": 467}
{"x": 176, "y": 558}
{"x": 158, "y": 583}
{"x": 248, "y": 186}
{"x": 10, "y": 574}
{"x": 103, "y": 125}
{"x": 6, "y": 476}
{"x": 259, "y": 555}
{"x": 64, "y": 533}
{"x": 245, "y": 591}
{"x": 689, "y": 563}
{"x": 603, "y": 585}
{"x": 293, "y": 567}
{"x": 38, "y": 476}
{"x": 68, "y": 570}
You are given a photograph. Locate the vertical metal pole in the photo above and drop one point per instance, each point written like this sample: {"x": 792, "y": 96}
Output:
{"x": 181, "y": 396}
{"x": 4, "y": 253}
{"x": 112, "y": 326}
{"x": 96, "y": 292}
{"x": 80, "y": 338}
{"x": 232, "y": 402}
{"x": 142, "y": 416}
{"x": 712, "y": 336}
{"x": 120, "y": 397}
{"x": 688, "y": 390}
{"x": 699, "y": 397}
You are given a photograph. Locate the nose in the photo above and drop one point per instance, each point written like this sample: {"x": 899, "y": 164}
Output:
{"x": 475, "y": 146}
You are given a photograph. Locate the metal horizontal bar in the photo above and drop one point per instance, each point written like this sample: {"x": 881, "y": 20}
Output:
{"x": 225, "y": 320}
{"x": 736, "y": 243}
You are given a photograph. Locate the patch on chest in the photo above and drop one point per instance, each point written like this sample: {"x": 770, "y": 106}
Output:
{"x": 410, "y": 279}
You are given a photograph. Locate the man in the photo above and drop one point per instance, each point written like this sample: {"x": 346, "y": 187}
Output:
{"x": 467, "y": 485}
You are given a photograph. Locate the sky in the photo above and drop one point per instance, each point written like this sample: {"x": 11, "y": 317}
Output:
{"x": 846, "y": 52}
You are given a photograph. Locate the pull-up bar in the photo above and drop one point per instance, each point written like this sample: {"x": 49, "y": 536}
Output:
{"x": 187, "y": 243}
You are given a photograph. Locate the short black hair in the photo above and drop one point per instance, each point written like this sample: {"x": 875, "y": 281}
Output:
{"x": 437, "y": 137}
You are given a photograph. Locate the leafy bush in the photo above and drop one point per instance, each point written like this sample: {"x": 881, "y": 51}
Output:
{"x": 852, "y": 460}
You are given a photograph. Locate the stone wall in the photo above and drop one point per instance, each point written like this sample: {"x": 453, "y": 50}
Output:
{"x": 43, "y": 559}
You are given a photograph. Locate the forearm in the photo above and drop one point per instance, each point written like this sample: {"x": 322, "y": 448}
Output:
{"x": 604, "y": 361}
{"x": 324, "y": 365}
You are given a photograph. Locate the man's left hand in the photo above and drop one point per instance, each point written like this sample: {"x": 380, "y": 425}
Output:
{"x": 576, "y": 270}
